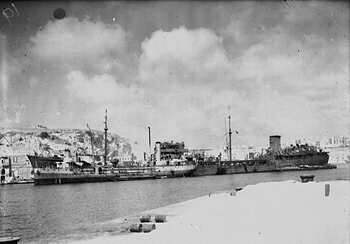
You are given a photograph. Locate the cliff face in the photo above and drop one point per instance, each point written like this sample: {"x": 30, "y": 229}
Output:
{"x": 16, "y": 143}
{"x": 44, "y": 141}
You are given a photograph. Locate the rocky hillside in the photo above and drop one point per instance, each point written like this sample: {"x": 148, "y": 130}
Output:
{"x": 45, "y": 141}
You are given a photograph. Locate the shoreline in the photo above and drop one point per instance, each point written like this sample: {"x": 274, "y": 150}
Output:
{"x": 273, "y": 212}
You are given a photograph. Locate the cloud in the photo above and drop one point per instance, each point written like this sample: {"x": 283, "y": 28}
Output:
{"x": 181, "y": 55}
{"x": 99, "y": 89}
{"x": 94, "y": 94}
{"x": 33, "y": 81}
{"x": 72, "y": 41}
{"x": 236, "y": 28}
{"x": 181, "y": 71}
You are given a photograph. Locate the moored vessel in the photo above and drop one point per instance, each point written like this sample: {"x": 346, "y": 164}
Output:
{"x": 298, "y": 157}
{"x": 77, "y": 169}
{"x": 168, "y": 161}
{"x": 302, "y": 156}
{"x": 69, "y": 170}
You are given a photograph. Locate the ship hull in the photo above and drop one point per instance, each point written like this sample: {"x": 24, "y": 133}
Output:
{"x": 59, "y": 179}
{"x": 279, "y": 163}
{"x": 204, "y": 169}
{"x": 301, "y": 159}
{"x": 246, "y": 166}
{"x": 172, "y": 171}
{"x": 48, "y": 176}
{"x": 157, "y": 171}
{"x": 136, "y": 177}
{"x": 63, "y": 176}
{"x": 234, "y": 167}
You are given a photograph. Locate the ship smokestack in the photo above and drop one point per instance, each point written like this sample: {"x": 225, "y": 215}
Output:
{"x": 275, "y": 143}
{"x": 157, "y": 152}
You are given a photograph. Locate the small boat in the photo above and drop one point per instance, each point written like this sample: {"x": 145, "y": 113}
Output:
{"x": 9, "y": 240}
{"x": 161, "y": 177}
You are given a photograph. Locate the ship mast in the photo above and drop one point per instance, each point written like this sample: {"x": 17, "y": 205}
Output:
{"x": 226, "y": 143}
{"x": 149, "y": 141}
{"x": 92, "y": 145}
{"x": 106, "y": 129}
{"x": 229, "y": 135}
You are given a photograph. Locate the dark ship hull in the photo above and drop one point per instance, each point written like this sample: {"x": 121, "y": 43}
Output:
{"x": 205, "y": 169}
{"x": 311, "y": 159}
{"x": 303, "y": 161}
{"x": 246, "y": 166}
{"x": 48, "y": 176}
{"x": 300, "y": 162}
{"x": 235, "y": 167}
{"x": 302, "y": 157}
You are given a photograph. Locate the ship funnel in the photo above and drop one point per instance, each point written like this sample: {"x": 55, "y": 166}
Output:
{"x": 275, "y": 143}
{"x": 157, "y": 152}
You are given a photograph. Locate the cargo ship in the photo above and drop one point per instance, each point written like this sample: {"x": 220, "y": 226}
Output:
{"x": 68, "y": 169}
{"x": 168, "y": 161}
{"x": 301, "y": 156}
{"x": 58, "y": 170}
{"x": 298, "y": 157}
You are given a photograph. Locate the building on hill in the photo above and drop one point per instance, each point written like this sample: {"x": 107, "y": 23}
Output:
{"x": 15, "y": 167}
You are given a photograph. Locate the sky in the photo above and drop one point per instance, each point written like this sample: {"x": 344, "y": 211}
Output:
{"x": 178, "y": 69}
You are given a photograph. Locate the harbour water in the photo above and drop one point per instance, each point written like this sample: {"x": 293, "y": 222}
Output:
{"x": 63, "y": 213}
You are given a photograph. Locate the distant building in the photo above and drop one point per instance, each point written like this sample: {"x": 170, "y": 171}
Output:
{"x": 40, "y": 127}
{"x": 124, "y": 158}
{"x": 334, "y": 142}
